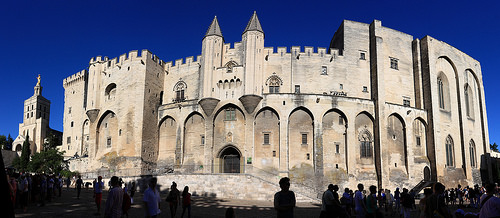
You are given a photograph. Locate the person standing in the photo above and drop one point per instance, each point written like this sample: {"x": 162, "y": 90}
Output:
{"x": 490, "y": 205}
{"x": 50, "y": 188}
{"x": 371, "y": 202}
{"x": 23, "y": 188}
{"x": 435, "y": 205}
{"x": 132, "y": 190}
{"x": 152, "y": 199}
{"x": 43, "y": 190}
{"x": 98, "y": 193}
{"x": 174, "y": 199}
{"x": 327, "y": 206}
{"x": 359, "y": 202}
{"x": 346, "y": 202}
{"x": 397, "y": 198}
{"x": 114, "y": 202}
{"x": 407, "y": 203}
{"x": 284, "y": 200}
{"x": 79, "y": 184}
{"x": 186, "y": 202}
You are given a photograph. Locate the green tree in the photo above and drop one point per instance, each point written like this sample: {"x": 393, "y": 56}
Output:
{"x": 25, "y": 155}
{"x": 3, "y": 142}
{"x": 494, "y": 147}
{"x": 47, "y": 161}
{"x": 51, "y": 142}
{"x": 10, "y": 141}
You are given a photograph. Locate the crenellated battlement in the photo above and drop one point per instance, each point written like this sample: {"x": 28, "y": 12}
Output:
{"x": 182, "y": 62}
{"x": 299, "y": 51}
{"x": 77, "y": 77}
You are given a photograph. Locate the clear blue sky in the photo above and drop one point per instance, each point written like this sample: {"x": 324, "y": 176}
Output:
{"x": 57, "y": 38}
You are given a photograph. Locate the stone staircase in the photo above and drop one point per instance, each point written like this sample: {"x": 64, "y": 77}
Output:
{"x": 233, "y": 186}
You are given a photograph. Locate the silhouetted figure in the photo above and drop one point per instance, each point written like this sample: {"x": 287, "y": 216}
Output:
{"x": 327, "y": 203}
{"x": 114, "y": 202}
{"x": 79, "y": 183}
{"x": 132, "y": 190}
{"x": 490, "y": 205}
{"x": 371, "y": 202}
{"x": 186, "y": 202}
{"x": 435, "y": 205}
{"x": 346, "y": 201}
{"x": 173, "y": 199}
{"x": 152, "y": 199}
{"x": 421, "y": 204}
{"x": 359, "y": 202}
{"x": 230, "y": 213}
{"x": 284, "y": 200}
{"x": 407, "y": 203}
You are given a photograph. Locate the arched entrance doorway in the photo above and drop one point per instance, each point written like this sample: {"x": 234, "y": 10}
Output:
{"x": 229, "y": 160}
{"x": 427, "y": 174}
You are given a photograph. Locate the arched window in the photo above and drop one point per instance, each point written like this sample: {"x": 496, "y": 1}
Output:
{"x": 365, "y": 139}
{"x": 180, "y": 88}
{"x": 469, "y": 101}
{"x": 466, "y": 95}
{"x": 229, "y": 65}
{"x": 472, "y": 151}
{"x": 441, "y": 93}
{"x": 274, "y": 83}
{"x": 110, "y": 91}
{"x": 449, "y": 151}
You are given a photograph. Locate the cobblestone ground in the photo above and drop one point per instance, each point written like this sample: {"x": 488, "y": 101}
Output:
{"x": 69, "y": 206}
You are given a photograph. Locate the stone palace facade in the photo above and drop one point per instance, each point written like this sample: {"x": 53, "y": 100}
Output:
{"x": 377, "y": 107}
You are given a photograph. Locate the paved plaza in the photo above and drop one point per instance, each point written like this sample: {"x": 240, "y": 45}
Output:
{"x": 69, "y": 206}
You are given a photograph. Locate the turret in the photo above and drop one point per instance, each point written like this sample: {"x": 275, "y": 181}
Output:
{"x": 253, "y": 42}
{"x": 211, "y": 56}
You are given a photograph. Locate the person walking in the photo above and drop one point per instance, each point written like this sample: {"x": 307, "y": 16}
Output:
{"x": 99, "y": 185}
{"x": 114, "y": 201}
{"x": 284, "y": 200}
{"x": 186, "y": 202}
{"x": 152, "y": 199}
{"x": 79, "y": 184}
{"x": 173, "y": 199}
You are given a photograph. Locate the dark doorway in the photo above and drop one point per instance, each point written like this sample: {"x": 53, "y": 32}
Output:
{"x": 427, "y": 174}
{"x": 230, "y": 160}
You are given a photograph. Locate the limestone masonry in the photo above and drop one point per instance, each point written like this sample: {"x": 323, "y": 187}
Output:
{"x": 376, "y": 107}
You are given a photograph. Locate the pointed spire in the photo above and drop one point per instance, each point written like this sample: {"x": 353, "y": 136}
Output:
{"x": 254, "y": 24}
{"x": 214, "y": 29}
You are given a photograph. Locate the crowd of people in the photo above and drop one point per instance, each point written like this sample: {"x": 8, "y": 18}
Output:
{"x": 38, "y": 189}
{"x": 436, "y": 201}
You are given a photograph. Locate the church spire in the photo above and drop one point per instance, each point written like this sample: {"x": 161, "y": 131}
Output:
{"x": 214, "y": 29}
{"x": 254, "y": 24}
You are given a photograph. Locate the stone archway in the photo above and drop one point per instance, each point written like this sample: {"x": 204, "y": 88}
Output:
{"x": 230, "y": 160}
{"x": 427, "y": 174}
